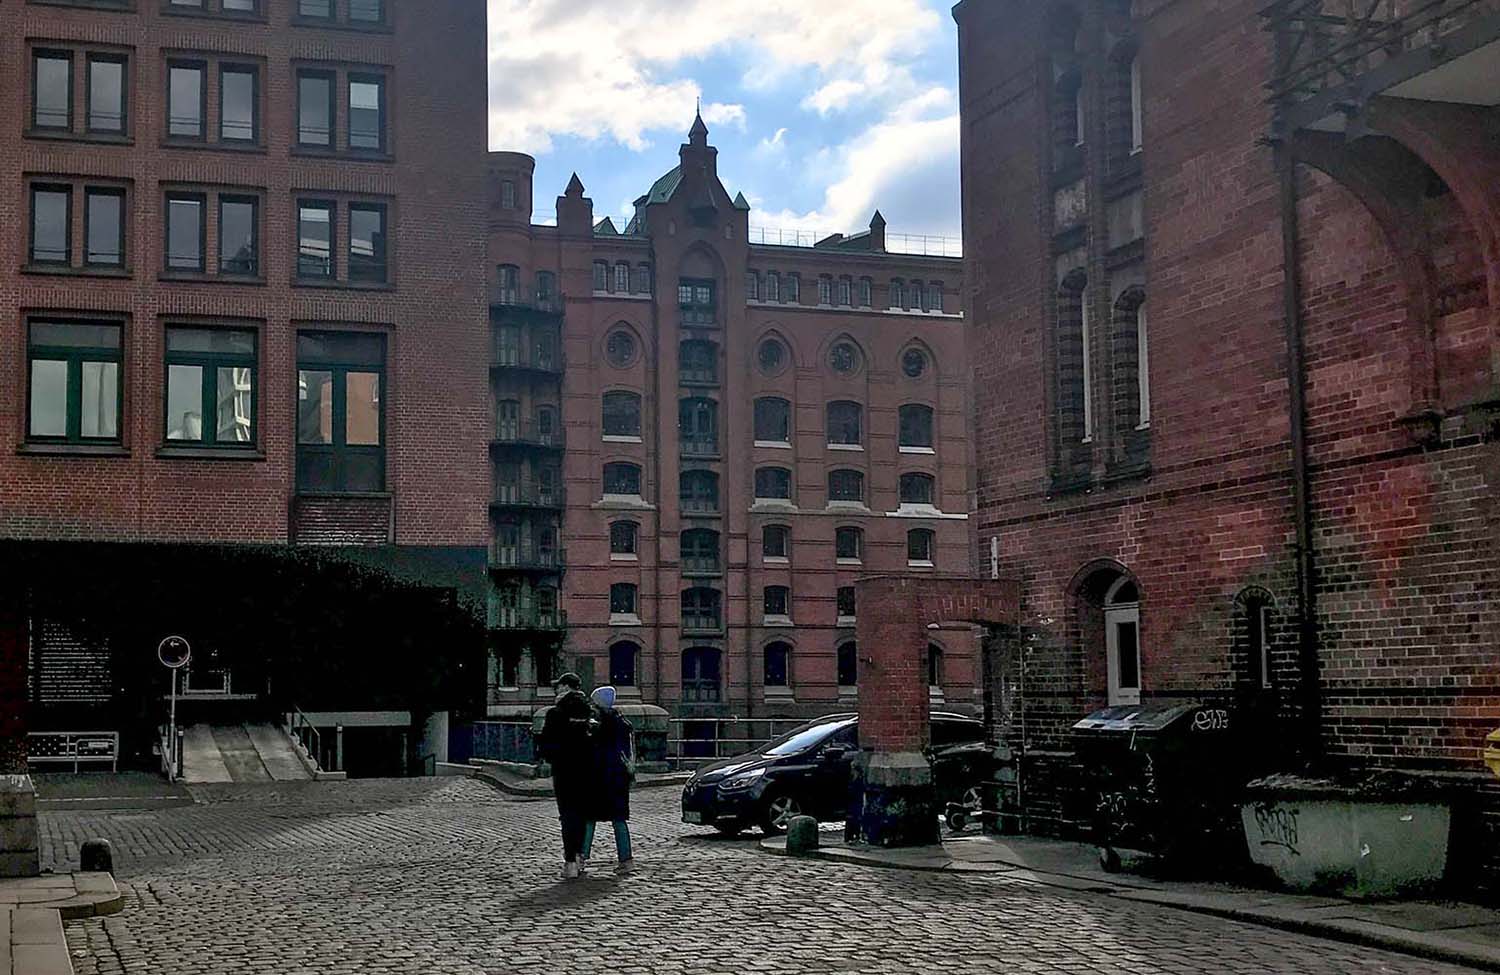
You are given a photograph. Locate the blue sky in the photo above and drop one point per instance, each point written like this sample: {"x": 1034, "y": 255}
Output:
{"x": 821, "y": 111}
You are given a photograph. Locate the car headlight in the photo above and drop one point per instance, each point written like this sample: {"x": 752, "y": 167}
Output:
{"x": 742, "y": 780}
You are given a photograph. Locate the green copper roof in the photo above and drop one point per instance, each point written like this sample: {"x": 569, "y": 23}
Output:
{"x": 740, "y": 203}
{"x": 661, "y": 191}
{"x": 606, "y": 228}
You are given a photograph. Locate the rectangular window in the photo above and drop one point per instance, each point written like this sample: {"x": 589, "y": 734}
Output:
{"x": 367, "y": 237}
{"x": 601, "y": 275}
{"x": 240, "y": 6}
{"x": 622, "y": 599}
{"x": 315, "y": 240}
{"x": 315, "y": 9}
{"x": 104, "y": 227}
{"x": 367, "y": 11}
{"x": 366, "y": 112}
{"x": 210, "y": 386}
{"x": 51, "y": 224}
{"x": 239, "y": 235}
{"x": 775, "y": 542}
{"x": 845, "y": 601}
{"x": 696, "y": 301}
{"x": 825, "y": 290}
{"x": 185, "y": 229}
{"x": 846, "y": 486}
{"x": 52, "y": 90}
{"x": 843, "y": 295}
{"x": 106, "y": 93}
{"x": 315, "y": 108}
{"x": 507, "y": 194}
{"x": 794, "y": 288}
{"x": 185, "y": 101}
{"x": 778, "y": 601}
{"x": 75, "y": 381}
{"x": 340, "y": 412}
{"x": 237, "y": 103}
{"x": 622, "y": 538}
{"x": 752, "y": 286}
{"x": 622, "y": 279}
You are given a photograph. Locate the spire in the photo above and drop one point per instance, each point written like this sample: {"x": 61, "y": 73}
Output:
{"x": 877, "y": 232}
{"x": 698, "y": 134}
{"x": 575, "y": 187}
{"x": 877, "y": 220}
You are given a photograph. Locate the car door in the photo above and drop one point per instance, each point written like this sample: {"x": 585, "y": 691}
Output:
{"x": 828, "y": 793}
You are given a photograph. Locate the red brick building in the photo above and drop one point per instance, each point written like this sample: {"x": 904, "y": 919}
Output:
{"x": 702, "y": 440}
{"x": 241, "y": 278}
{"x": 1234, "y": 368}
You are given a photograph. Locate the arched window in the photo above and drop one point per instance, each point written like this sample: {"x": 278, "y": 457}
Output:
{"x": 916, "y": 424}
{"x": 698, "y": 492}
{"x": 778, "y": 664}
{"x": 776, "y": 542}
{"x": 777, "y": 603}
{"x": 898, "y": 294}
{"x": 622, "y": 479}
{"x": 920, "y": 547}
{"x": 848, "y": 664}
{"x": 934, "y": 665}
{"x": 773, "y": 484}
{"x": 1255, "y": 606}
{"x": 848, "y": 544}
{"x": 622, "y": 663}
{"x": 1122, "y": 623}
{"x": 773, "y": 420}
{"x": 622, "y": 599}
{"x": 698, "y": 361}
{"x": 698, "y": 426}
{"x": 917, "y": 488}
{"x": 1130, "y": 369}
{"x": 619, "y": 348}
{"x": 700, "y": 609}
{"x": 623, "y": 538}
{"x": 622, "y": 414}
{"x": 845, "y": 422}
{"x": 622, "y": 278}
{"x": 844, "y": 604}
{"x": 845, "y": 485}
{"x": 700, "y": 675}
{"x": 700, "y": 552}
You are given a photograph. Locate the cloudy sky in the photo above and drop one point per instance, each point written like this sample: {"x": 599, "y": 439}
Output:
{"x": 821, "y": 111}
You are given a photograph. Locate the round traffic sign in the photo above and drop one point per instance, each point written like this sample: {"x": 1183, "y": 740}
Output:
{"x": 174, "y": 652}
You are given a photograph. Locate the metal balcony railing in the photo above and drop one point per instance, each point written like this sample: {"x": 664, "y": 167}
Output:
{"x": 700, "y": 447}
{"x": 699, "y": 565}
{"x": 698, "y": 506}
{"x": 528, "y": 496}
{"x": 525, "y": 299}
{"x": 526, "y": 358}
{"x": 699, "y": 376}
{"x": 1325, "y": 45}
{"x": 699, "y": 315}
{"x": 528, "y": 558}
{"x": 529, "y": 433}
{"x": 701, "y": 623}
{"x": 527, "y": 618}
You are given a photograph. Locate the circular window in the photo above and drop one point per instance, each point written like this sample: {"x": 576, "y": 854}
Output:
{"x": 772, "y": 356}
{"x": 843, "y": 358}
{"x": 914, "y": 363}
{"x": 620, "y": 349}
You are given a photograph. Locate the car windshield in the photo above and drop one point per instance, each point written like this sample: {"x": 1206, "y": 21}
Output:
{"x": 808, "y": 736}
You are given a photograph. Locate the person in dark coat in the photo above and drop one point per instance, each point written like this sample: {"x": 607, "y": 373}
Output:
{"x": 565, "y": 745}
{"x": 613, "y": 773}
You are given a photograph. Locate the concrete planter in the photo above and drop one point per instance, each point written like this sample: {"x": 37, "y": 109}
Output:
{"x": 1366, "y": 840}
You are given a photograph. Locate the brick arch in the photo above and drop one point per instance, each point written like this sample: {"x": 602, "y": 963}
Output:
{"x": 1083, "y": 626}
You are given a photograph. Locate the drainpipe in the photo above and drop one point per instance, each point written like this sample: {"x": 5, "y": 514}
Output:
{"x": 1309, "y": 689}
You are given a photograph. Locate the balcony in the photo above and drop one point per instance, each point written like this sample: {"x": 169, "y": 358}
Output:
{"x": 528, "y": 559}
{"x": 701, "y": 624}
{"x": 698, "y": 376}
{"x": 701, "y": 565}
{"x": 519, "y": 358}
{"x": 514, "y": 496}
{"x": 699, "y": 507}
{"x": 1333, "y": 56}
{"x": 700, "y": 316}
{"x": 520, "y": 304}
{"x": 527, "y": 619}
{"x": 511, "y": 434}
{"x": 700, "y": 447}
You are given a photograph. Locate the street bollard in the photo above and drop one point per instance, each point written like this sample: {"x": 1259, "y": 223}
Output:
{"x": 802, "y": 836}
{"x": 96, "y": 856}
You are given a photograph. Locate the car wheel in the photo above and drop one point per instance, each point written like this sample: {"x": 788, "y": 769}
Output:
{"x": 968, "y": 807}
{"x": 778, "y": 813}
{"x": 730, "y": 830}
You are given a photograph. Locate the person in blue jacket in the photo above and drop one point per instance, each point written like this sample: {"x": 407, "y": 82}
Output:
{"x": 613, "y": 773}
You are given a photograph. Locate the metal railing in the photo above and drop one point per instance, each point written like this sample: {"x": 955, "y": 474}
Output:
{"x": 1324, "y": 44}
{"x": 505, "y": 355}
{"x": 73, "y": 748}
{"x": 702, "y": 623}
{"x": 529, "y": 433}
{"x": 530, "y": 496}
{"x": 698, "y": 506}
{"x": 529, "y": 299}
{"x": 699, "y": 315}
{"x": 528, "y": 557}
{"x": 690, "y": 751}
{"x": 699, "y": 376}
{"x": 698, "y": 565}
{"x": 527, "y": 618}
{"x": 698, "y": 447}
{"x": 917, "y": 245}
{"x": 300, "y": 728}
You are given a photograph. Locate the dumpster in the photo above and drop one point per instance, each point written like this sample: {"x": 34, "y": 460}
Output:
{"x": 1164, "y": 780}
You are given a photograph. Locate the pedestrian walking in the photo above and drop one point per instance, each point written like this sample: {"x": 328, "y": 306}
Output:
{"x": 613, "y": 773}
{"x": 566, "y": 747}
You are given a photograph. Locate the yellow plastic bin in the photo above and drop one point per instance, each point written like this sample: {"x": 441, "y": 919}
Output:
{"x": 1492, "y": 751}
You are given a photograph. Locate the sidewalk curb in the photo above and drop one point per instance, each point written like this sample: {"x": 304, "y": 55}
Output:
{"x": 1431, "y": 947}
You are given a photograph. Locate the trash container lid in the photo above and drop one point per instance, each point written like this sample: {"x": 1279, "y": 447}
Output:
{"x": 1137, "y": 717}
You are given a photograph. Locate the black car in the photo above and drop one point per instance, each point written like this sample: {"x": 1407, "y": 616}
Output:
{"x": 806, "y": 772}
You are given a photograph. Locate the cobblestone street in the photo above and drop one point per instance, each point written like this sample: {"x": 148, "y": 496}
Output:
{"x": 448, "y": 876}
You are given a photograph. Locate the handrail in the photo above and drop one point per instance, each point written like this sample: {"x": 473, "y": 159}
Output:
{"x": 307, "y": 735}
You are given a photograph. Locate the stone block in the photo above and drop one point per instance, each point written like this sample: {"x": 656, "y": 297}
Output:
{"x": 17, "y": 833}
{"x": 20, "y": 863}
{"x": 17, "y": 796}
{"x": 802, "y": 835}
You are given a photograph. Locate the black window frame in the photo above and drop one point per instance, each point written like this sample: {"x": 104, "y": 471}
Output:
{"x": 340, "y": 450}
{"x": 698, "y": 424}
{"x": 210, "y": 363}
{"x": 847, "y": 664}
{"x": 767, "y": 403}
{"x": 698, "y": 301}
{"x": 618, "y": 675}
{"x": 619, "y": 467}
{"x": 916, "y": 422}
{"x": 701, "y": 551}
{"x": 184, "y": 196}
{"x": 38, "y": 54}
{"x": 910, "y": 479}
{"x": 857, "y": 477}
{"x": 706, "y": 604}
{"x": 841, "y": 426}
{"x": 777, "y": 669}
{"x": 689, "y": 495}
{"x": 379, "y": 81}
{"x": 381, "y": 264}
{"x": 92, "y": 58}
{"x": 624, "y": 599}
{"x": 782, "y": 548}
{"x": 333, "y": 239}
{"x": 332, "y": 78}
{"x": 75, "y": 356}
{"x": 624, "y": 538}
{"x": 769, "y": 470}
{"x": 609, "y": 419}
{"x": 702, "y": 365}
{"x": 253, "y": 70}
{"x": 33, "y": 189}
{"x": 844, "y": 534}
{"x": 188, "y": 64}
{"x": 118, "y": 193}
{"x": 702, "y": 674}
{"x": 240, "y": 199}
{"x": 930, "y": 538}
{"x": 844, "y": 599}
{"x": 302, "y": 14}
{"x": 367, "y": 22}
{"x": 774, "y": 596}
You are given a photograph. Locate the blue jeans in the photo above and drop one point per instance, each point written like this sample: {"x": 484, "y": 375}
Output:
{"x": 622, "y": 840}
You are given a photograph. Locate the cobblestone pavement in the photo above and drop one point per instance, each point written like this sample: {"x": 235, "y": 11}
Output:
{"x": 447, "y": 876}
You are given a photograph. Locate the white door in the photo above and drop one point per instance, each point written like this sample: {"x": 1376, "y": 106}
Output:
{"x": 1122, "y": 629}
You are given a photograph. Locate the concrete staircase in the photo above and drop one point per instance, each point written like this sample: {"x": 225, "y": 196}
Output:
{"x": 239, "y": 753}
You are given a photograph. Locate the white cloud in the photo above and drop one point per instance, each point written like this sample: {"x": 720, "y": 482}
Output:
{"x": 597, "y": 69}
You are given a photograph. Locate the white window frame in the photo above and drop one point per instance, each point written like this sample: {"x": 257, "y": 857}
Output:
{"x": 1137, "y": 112}
{"x": 1116, "y": 616}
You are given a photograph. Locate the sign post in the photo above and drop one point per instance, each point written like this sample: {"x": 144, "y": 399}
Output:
{"x": 174, "y": 653}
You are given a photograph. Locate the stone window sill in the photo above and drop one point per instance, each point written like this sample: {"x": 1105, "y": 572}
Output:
{"x": 170, "y": 452}
{"x": 916, "y": 450}
{"x": 68, "y": 270}
{"x": 41, "y": 449}
{"x": 624, "y": 619}
{"x": 624, "y": 557}
{"x": 776, "y": 560}
{"x": 774, "y": 444}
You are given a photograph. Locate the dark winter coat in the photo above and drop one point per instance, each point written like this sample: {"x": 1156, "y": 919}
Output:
{"x": 565, "y": 745}
{"x": 612, "y": 771}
